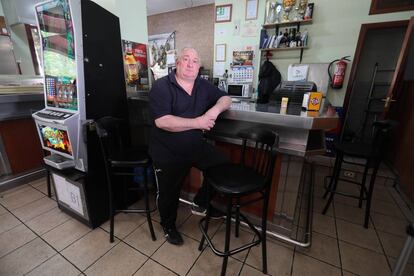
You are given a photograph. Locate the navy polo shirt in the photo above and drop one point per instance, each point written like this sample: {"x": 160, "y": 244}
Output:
{"x": 168, "y": 98}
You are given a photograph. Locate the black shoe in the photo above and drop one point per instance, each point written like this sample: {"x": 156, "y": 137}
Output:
{"x": 173, "y": 236}
{"x": 201, "y": 211}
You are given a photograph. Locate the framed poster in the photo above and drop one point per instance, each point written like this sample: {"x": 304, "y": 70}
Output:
{"x": 251, "y": 9}
{"x": 223, "y": 13}
{"x": 220, "y": 52}
{"x": 387, "y": 6}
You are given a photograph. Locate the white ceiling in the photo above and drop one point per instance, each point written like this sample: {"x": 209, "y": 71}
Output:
{"x": 161, "y": 6}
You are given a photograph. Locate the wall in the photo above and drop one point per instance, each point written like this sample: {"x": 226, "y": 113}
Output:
{"x": 21, "y": 49}
{"x": 132, "y": 16}
{"x": 194, "y": 27}
{"x": 1, "y": 9}
{"x": 333, "y": 34}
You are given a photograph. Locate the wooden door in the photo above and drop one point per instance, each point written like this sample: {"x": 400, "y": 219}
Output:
{"x": 401, "y": 152}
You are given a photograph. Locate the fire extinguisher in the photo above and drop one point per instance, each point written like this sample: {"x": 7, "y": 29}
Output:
{"x": 339, "y": 72}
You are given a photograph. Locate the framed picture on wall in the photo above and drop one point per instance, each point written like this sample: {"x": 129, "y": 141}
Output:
{"x": 251, "y": 9}
{"x": 220, "y": 52}
{"x": 386, "y": 6}
{"x": 223, "y": 13}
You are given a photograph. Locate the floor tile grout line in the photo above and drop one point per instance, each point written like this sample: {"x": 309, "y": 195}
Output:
{"x": 43, "y": 241}
{"x": 40, "y": 213}
{"x": 337, "y": 238}
{"x": 382, "y": 246}
{"x": 399, "y": 207}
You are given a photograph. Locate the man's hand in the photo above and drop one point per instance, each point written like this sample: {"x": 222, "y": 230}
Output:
{"x": 205, "y": 122}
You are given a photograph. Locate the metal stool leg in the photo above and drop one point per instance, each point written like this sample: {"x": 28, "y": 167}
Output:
{"x": 227, "y": 239}
{"x": 335, "y": 169}
{"x": 147, "y": 208}
{"x": 48, "y": 183}
{"x": 264, "y": 228}
{"x": 364, "y": 179}
{"x": 369, "y": 195}
{"x": 237, "y": 227}
{"x": 335, "y": 183}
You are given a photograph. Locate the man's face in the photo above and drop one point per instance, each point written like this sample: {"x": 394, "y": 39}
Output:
{"x": 188, "y": 65}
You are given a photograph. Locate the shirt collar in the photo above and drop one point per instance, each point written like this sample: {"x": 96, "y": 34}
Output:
{"x": 173, "y": 80}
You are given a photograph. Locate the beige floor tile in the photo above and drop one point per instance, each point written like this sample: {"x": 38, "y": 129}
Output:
{"x": 244, "y": 238}
{"x": 56, "y": 265}
{"x": 324, "y": 225}
{"x": 141, "y": 238}
{"x": 47, "y": 221}
{"x": 350, "y": 213}
{"x": 31, "y": 210}
{"x": 25, "y": 258}
{"x": 279, "y": 258}
{"x": 65, "y": 234}
{"x": 43, "y": 188}
{"x": 125, "y": 224}
{"x": 38, "y": 182}
{"x": 2, "y": 210}
{"x": 250, "y": 271}
{"x": 210, "y": 264}
{"x": 87, "y": 250}
{"x": 14, "y": 238}
{"x": 13, "y": 190}
{"x": 347, "y": 273}
{"x": 120, "y": 260}
{"x": 20, "y": 197}
{"x": 190, "y": 227}
{"x": 358, "y": 235}
{"x": 387, "y": 208}
{"x": 363, "y": 261}
{"x": 178, "y": 258}
{"x": 323, "y": 248}
{"x": 393, "y": 245}
{"x": 153, "y": 268}
{"x": 389, "y": 224}
{"x": 319, "y": 204}
{"x": 382, "y": 194}
{"x": 7, "y": 222}
{"x": 307, "y": 266}
{"x": 408, "y": 270}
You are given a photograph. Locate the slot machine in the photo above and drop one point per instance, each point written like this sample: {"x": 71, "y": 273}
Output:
{"x": 83, "y": 81}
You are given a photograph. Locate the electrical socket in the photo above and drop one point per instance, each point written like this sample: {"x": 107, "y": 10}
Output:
{"x": 349, "y": 174}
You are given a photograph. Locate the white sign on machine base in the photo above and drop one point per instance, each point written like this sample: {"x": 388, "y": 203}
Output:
{"x": 69, "y": 194}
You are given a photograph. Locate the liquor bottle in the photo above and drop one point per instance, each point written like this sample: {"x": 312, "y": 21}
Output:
{"x": 131, "y": 66}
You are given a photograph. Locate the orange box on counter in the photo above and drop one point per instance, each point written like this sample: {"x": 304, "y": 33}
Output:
{"x": 315, "y": 99}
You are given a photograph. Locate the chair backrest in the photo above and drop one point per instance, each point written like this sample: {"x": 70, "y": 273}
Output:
{"x": 382, "y": 130}
{"x": 263, "y": 145}
{"x": 111, "y": 136}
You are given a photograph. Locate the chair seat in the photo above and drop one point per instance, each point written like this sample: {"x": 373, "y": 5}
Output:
{"x": 362, "y": 150}
{"x": 234, "y": 179}
{"x": 129, "y": 157}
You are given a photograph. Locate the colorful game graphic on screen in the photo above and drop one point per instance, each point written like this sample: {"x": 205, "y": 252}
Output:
{"x": 56, "y": 31}
{"x": 56, "y": 139}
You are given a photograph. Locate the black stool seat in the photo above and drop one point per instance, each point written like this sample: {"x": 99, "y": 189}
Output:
{"x": 235, "y": 179}
{"x": 129, "y": 158}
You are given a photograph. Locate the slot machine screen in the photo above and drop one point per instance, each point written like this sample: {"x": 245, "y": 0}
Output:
{"x": 58, "y": 47}
{"x": 55, "y": 139}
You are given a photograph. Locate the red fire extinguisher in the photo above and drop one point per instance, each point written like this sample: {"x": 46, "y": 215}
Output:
{"x": 339, "y": 72}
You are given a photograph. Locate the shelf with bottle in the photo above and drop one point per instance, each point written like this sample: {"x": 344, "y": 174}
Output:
{"x": 287, "y": 23}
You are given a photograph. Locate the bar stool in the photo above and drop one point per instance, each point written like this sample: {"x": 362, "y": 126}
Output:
{"x": 372, "y": 154}
{"x": 235, "y": 181}
{"x": 122, "y": 161}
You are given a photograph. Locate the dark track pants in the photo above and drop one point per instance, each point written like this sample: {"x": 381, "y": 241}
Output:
{"x": 170, "y": 177}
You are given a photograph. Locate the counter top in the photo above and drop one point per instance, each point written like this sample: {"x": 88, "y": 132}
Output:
{"x": 271, "y": 113}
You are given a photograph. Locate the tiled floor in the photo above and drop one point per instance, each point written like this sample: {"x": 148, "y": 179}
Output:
{"x": 36, "y": 238}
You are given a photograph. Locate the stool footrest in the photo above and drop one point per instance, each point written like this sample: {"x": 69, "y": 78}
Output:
{"x": 138, "y": 211}
{"x": 233, "y": 251}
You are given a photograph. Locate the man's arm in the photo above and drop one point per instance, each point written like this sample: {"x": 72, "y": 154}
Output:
{"x": 222, "y": 104}
{"x": 176, "y": 124}
{"x": 204, "y": 122}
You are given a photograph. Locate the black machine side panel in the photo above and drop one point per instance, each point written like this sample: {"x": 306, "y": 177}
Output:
{"x": 103, "y": 64}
